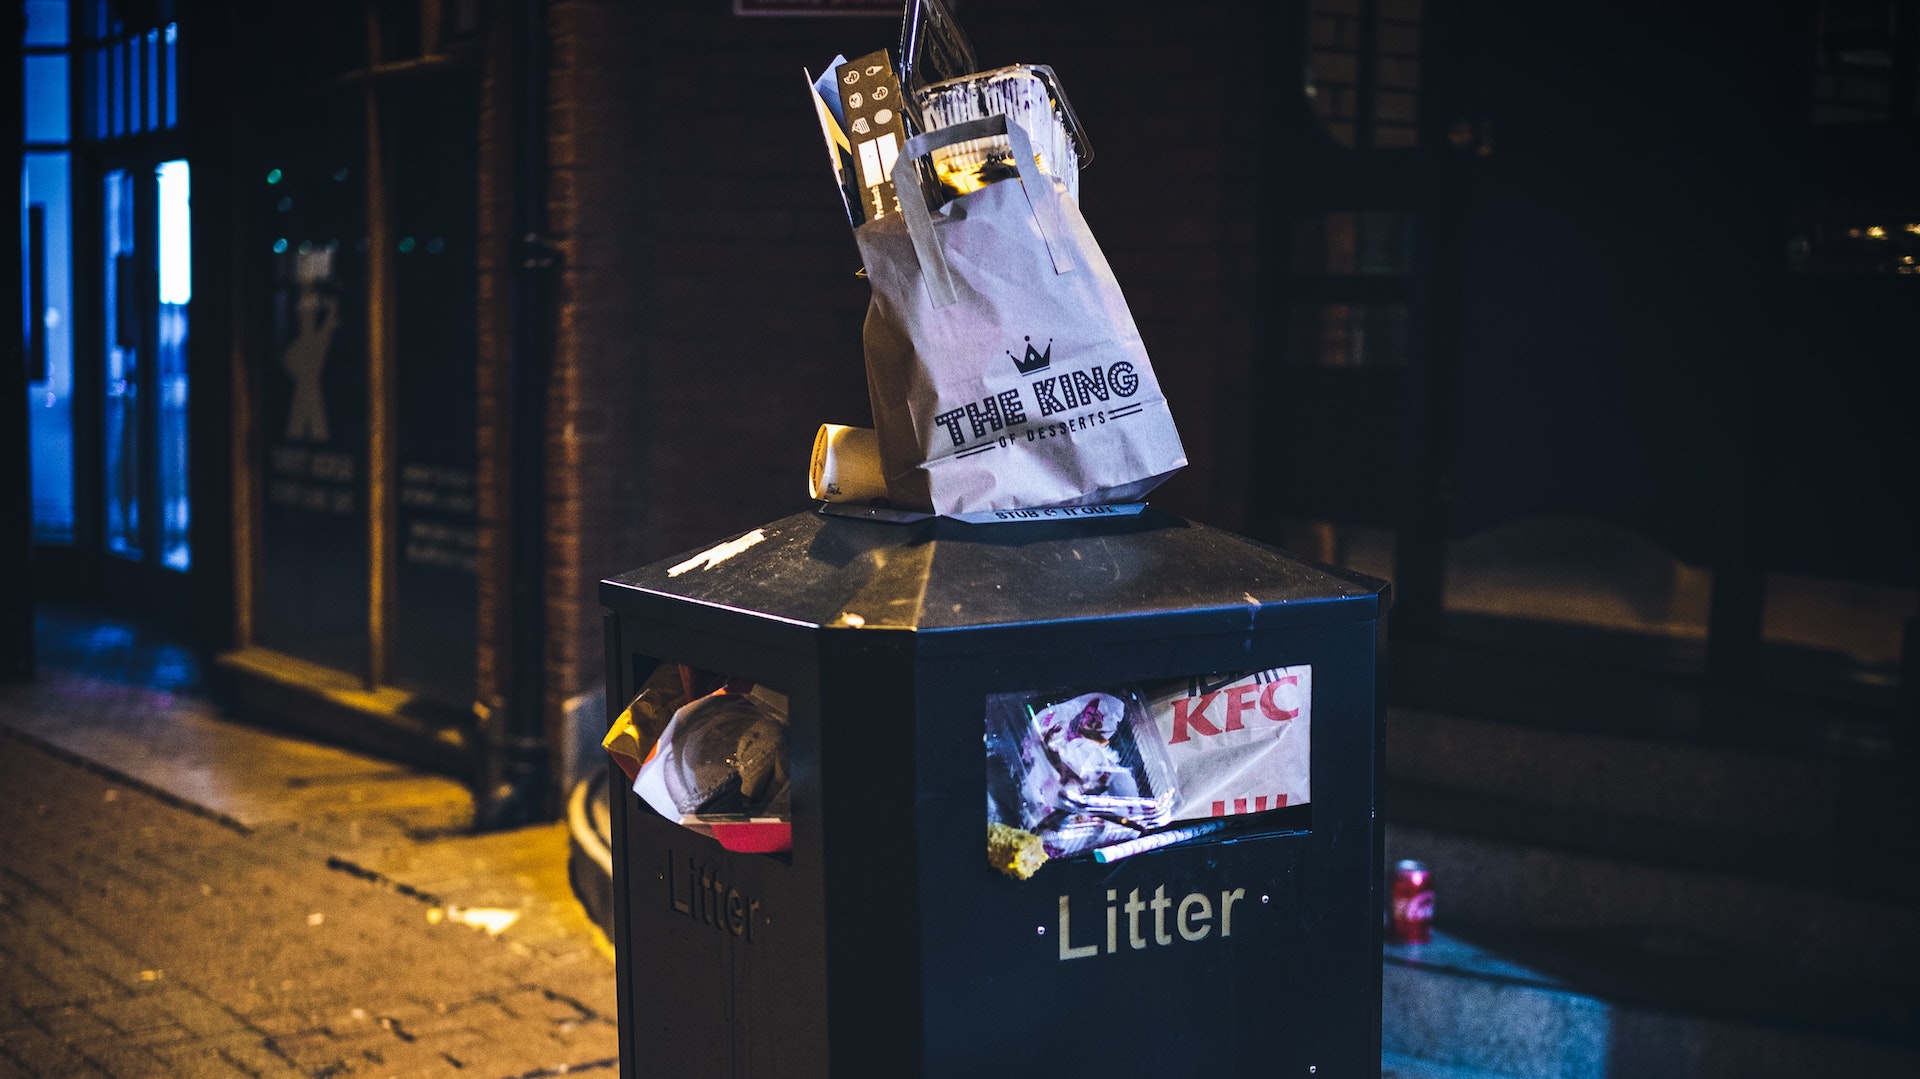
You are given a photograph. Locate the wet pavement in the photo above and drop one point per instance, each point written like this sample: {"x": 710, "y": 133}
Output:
{"x": 181, "y": 895}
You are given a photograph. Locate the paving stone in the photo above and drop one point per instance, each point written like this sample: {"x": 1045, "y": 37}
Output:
{"x": 254, "y": 1057}
{"x": 47, "y": 975}
{"x": 37, "y": 1053}
{"x": 10, "y": 1068}
{"x": 141, "y": 937}
{"x": 142, "y": 1016}
{"x": 211, "y": 1062}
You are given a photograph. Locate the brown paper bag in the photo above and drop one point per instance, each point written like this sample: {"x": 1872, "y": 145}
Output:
{"x": 1004, "y": 368}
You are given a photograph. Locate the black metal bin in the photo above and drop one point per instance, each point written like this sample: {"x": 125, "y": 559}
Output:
{"x": 882, "y": 944}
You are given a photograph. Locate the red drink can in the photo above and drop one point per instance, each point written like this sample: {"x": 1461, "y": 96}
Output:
{"x": 1412, "y": 921}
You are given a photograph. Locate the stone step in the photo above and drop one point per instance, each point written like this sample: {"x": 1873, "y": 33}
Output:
{"x": 1704, "y": 940}
{"x": 1569, "y": 688}
{"x": 1455, "y": 1004}
{"x": 1874, "y": 862}
{"x": 1798, "y": 924}
{"x": 1739, "y": 791}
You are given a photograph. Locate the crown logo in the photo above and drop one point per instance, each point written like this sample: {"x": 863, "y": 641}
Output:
{"x": 1035, "y": 360}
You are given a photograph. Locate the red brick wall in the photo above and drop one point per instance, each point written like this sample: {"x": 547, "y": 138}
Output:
{"x": 711, "y": 317}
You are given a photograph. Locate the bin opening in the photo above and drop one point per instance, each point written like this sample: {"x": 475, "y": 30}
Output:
{"x": 709, "y": 752}
{"x": 1117, "y": 770}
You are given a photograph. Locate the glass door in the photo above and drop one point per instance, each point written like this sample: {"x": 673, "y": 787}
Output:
{"x": 107, "y": 206}
{"x": 145, "y": 259}
{"x": 122, "y": 349}
{"x": 174, "y": 288}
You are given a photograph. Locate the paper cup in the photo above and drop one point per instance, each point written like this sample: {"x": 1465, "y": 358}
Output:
{"x": 846, "y": 465}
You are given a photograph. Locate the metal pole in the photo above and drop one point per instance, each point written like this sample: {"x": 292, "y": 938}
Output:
{"x": 16, "y": 504}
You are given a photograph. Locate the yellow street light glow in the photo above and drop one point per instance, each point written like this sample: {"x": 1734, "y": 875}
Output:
{"x": 1875, "y": 232}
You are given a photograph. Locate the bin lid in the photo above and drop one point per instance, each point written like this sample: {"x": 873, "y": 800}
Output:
{"x": 942, "y": 575}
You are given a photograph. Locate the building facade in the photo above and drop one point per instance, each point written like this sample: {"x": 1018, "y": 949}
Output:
{"x": 474, "y": 302}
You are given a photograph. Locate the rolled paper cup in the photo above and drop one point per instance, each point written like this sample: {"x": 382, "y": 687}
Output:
{"x": 846, "y": 465}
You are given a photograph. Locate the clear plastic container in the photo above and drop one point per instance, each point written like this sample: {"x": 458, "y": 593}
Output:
{"x": 1027, "y": 94}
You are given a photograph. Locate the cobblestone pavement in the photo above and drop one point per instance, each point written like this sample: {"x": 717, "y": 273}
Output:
{"x": 343, "y": 926}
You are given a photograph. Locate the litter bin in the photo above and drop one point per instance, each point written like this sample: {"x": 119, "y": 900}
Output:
{"x": 881, "y": 943}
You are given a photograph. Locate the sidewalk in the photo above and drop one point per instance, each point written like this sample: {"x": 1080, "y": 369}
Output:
{"x": 184, "y": 896}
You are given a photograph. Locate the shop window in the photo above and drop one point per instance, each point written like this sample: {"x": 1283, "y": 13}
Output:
{"x": 1340, "y": 243}
{"x": 170, "y": 64}
{"x": 46, "y": 22}
{"x": 309, "y": 223}
{"x": 1860, "y": 64}
{"x": 1816, "y": 627}
{"x": 1349, "y": 334}
{"x": 170, "y": 356}
{"x": 46, "y": 232}
{"x": 47, "y": 236}
{"x": 1545, "y": 574}
{"x": 1347, "y": 337}
{"x": 1363, "y": 71}
{"x": 108, "y": 411}
{"x": 435, "y": 319}
{"x": 133, "y": 75}
{"x": 46, "y": 97}
{"x": 366, "y": 557}
{"x": 1831, "y": 239}
{"x": 121, "y": 345}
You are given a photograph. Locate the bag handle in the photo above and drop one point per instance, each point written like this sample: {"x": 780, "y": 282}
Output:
{"x": 913, "y": 204}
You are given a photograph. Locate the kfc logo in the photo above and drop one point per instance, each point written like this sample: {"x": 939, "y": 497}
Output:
{"x": 1196, "y": 715}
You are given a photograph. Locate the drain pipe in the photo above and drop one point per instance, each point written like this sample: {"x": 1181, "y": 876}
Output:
{"x": 16, "y": 454}
{"x": 515, "y": 766}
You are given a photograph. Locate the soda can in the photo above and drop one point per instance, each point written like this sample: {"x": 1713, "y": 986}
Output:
{"x": 1412, "y": 918}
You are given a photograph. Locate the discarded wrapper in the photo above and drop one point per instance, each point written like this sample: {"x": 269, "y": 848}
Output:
{"x": 720, "y": 768}
{"x": 622, "y": 743}
{"x": 871, "y": 103}
{"x": 1078, "y": 770}
{"x": 1014, "y": 851}
{"x": 631, "y": 738}
{"x": 1239, "y": 742}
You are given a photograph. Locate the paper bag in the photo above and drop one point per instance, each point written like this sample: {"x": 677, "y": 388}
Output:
{"x": 1240, "y": 743}
{"x": 1003, "y": 366}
